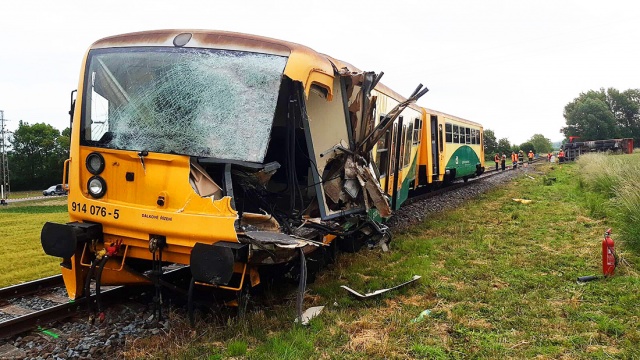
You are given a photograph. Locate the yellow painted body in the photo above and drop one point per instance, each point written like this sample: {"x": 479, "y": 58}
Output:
{"x": 129, "y": 212}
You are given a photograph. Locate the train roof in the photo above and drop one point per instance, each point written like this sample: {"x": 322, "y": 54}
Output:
{"x": 226, "y": 40}
{"x": 453, "y": 117}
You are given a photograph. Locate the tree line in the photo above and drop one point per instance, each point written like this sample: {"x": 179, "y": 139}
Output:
{"x": 537, "y": 143}
{"x": 604, "y": 114}
{"x": 36, "y": 156}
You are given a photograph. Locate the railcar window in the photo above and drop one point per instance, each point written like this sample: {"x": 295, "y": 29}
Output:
{"x": 382, "y": 160}
{"x": 456, "y": 134}
{"x": 448, "y": 128}
{"x": 394, "y": 138}
{"x": 478, "y": 137}
{"x": 182, "y": 100}
{"x": 467, "y": 135}
{"x": 417, "y": 133}
{"x": 407, "y": 146}
{"x": 473, "y": 136}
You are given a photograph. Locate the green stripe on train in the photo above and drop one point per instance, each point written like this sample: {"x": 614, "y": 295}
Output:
{"x": 464, "y": 160}
{"x": 403, "y": 194}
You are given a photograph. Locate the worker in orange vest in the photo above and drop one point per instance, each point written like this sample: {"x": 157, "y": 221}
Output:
{"x": 561, "y": 156}
{"x": 504, "y": 160}
{"x": 530, "y": 155}
{"x": 514, "y": 159}
{"x": 497, "y": 160}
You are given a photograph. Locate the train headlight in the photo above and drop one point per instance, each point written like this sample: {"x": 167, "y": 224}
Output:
{"x": 97, "y": 187}
{"x": 95, "y": 163}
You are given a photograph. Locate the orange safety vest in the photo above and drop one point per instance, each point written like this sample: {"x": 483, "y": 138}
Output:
{"x": 496, "y": 158}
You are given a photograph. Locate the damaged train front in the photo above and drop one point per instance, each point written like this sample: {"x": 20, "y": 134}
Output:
{"x": 214, "y": 159}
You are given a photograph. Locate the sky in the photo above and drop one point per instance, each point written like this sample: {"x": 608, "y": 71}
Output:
{"x": 510, "y": 65}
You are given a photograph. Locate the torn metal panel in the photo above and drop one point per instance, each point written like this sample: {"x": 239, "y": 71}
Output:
{"x": 202, "y": 183}
{"x": 378, "y": 292}
{"x": 361, "y": 104}
{"x": 280, "y": 240}
{"x": 262, "y": 222}
{"x": 373, "y": 194}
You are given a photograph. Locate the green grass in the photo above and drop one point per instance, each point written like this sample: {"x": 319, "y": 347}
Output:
{"x": 498, "y": 276}
{"x": 611, "y": 185}
{"x": 20, "y": 251}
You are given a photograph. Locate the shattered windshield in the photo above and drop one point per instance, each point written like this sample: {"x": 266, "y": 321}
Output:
{"x": 197, "y": 102}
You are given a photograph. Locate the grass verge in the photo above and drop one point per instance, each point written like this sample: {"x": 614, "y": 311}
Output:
{"x": 20, "y": 224}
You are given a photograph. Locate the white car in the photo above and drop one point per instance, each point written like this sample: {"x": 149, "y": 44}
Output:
{"x": 55, "y": 190}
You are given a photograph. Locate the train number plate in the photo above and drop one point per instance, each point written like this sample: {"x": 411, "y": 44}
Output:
{"x": 95, "y": 210}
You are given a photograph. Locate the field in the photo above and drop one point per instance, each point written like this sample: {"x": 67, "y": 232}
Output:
{"x": 20, "y": 250}
{"x": 498, "y": 281}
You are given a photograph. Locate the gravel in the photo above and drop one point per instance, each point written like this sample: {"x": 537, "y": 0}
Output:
{"x": 414, "y": 213}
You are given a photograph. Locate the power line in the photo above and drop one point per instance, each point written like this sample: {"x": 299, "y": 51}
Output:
{"x": 4, "y": 167}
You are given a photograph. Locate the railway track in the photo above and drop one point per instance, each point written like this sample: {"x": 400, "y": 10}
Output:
{"x": 37, "y": 303}
{"x": 420, "y": 196}
{"x": 27, "y": 306}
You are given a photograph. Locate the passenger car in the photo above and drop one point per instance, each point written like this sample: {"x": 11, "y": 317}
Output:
{"x": 55, "y": 190}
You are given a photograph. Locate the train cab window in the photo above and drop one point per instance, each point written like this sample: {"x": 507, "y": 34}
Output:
{"x": 417, "y": 131}
{"x": 407, "y": 145}
{"x": 467, "y": 132}
{"x": 474, "y": 132}
{"x": 449, "y": 130}
{"x": 456, "y": 134}
{"x": 478, "y": 137}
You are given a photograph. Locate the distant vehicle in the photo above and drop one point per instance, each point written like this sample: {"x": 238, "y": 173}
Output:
{"x": 55, "y": 190}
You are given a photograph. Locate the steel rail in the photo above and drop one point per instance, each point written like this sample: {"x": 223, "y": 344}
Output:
{"x": 418, "y": 196}
{"x": 30, "y": 287}
{"x": 58, "y": 312}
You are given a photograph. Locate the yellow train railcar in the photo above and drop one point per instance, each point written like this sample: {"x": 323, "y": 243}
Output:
{"x": 461, "y": 146}
{"x": 225, "y": 152}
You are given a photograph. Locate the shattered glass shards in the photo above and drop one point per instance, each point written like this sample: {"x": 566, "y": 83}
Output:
{"x": 190, "y": 101}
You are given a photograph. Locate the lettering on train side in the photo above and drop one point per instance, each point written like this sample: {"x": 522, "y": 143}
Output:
{"x": 156, "y": 217}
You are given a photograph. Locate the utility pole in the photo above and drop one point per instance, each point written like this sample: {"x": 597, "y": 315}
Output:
{"x": 4, "y": 167}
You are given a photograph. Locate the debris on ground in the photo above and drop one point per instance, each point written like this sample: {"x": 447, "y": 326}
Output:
{"x": 381, "y": 291}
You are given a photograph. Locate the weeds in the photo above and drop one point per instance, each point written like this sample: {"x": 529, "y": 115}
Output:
{"x": 612, "y": 180}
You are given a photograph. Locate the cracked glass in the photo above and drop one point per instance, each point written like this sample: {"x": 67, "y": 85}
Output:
{"x": 197, "y": 102}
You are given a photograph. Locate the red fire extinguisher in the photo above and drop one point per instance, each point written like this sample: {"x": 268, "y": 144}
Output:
{"x": 609, "y": 257}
